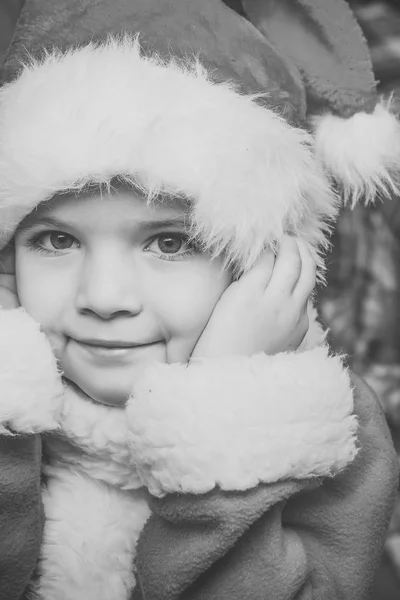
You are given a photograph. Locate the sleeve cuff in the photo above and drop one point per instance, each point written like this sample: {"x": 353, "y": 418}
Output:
{"x": 30, "y": 384}
{"x": 239, "y": 421}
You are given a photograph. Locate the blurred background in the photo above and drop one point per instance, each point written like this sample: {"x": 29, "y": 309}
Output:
{"x": 361, "y": 303}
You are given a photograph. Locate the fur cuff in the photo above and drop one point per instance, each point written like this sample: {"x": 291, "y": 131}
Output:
{"x": 30, "y": 385}
{"x": 239, "y": 421}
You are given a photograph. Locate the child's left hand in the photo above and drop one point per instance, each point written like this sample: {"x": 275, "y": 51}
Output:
{"x": 266, "y": 309}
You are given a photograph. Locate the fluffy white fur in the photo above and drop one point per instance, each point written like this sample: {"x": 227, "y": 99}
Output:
{"x": 94, "y": 509}
{"x": 361, "y": 153}
{"x": 101, "y": 111}
{"x": 94, "y": 438}
{"x": 95, "y": 505}
{"x": 90, "y": 537}
{"x": 232, "y": 423}
{"x": 30, "y": 385}
{"x": 274, "y": 426}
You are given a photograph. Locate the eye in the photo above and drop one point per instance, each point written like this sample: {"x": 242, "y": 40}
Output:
{"x": 59, "y": 240}
{"x": 53, "y": 242}
{"x": 170, "y": 245}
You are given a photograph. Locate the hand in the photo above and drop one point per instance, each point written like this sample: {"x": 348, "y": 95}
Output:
{"x": 266, "y": 309}
{"x": 8, "y": 294}
{"x": 8, "y": 287}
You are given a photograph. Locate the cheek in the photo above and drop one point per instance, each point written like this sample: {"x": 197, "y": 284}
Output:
{"x": 189, "y": 299}
{"x": 41, "y": 291}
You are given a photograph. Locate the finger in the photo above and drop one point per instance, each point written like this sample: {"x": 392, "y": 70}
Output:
{"x": 8, "y": 282}
{"x": 287, "y": 267}
{"x": 8, "y": 299}
{"x": 307, "y": 280}
{"x": 7, "y": 260}
{"x": 303, "y": 327}
{"x": 260, "y": 273}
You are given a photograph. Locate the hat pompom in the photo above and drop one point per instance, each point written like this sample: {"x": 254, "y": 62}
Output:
{"x": 361, "y": 153}
{"x": 356, "y": 136}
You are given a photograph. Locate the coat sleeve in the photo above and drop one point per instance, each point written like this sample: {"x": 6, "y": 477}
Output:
{"x": 30, "y": 393}
{"x": 281, "y": 488}
{"x": 21, "y": 519}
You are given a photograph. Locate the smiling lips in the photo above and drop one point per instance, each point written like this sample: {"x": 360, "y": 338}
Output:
{"x": 111, "y": 348}
{"x": 112, "y": 343}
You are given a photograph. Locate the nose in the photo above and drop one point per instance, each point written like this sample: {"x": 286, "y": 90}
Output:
{"x": 108, "y": 287}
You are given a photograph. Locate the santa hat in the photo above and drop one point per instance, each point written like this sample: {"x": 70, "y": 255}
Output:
{"x": 257, "y": 120}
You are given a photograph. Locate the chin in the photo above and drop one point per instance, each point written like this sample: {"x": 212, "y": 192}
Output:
{"x": 116, "y": 398}
{"x": 107, "y": 394}
{"x": 111, "y": 387}
{"x": 111, "y": 395}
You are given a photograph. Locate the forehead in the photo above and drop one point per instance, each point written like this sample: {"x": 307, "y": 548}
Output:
{"x": 107, "y": 210}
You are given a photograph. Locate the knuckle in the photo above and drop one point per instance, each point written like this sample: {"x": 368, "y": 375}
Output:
{"x": 288, "y": 246}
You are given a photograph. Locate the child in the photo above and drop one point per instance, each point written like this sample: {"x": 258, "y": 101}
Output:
{"x": 199, "y": 441}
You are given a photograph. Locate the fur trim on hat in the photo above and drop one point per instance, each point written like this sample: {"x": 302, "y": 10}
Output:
{"x": 103, "y": 111}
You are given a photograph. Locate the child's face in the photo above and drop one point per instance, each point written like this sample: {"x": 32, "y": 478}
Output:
{"x": 114, "y": 286}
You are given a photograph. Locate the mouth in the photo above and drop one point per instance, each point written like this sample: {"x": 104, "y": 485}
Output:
{"x": 112, "y": 343}
{"x": 112, "y": 348}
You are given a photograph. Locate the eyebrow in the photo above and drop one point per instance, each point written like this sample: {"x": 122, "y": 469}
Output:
{"x": 146, "y": 225}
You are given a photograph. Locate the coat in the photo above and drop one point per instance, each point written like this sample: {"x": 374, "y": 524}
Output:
{"x": 245, "y": 478}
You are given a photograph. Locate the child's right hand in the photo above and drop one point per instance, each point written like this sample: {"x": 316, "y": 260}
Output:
{"x": 8, "y": 288}
{"x": 8, "y": 295}
{"x": 266, "y": 309}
